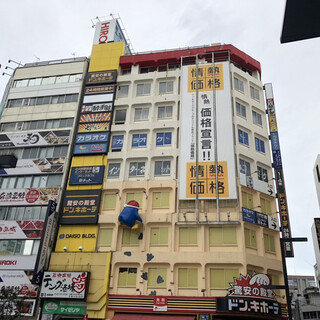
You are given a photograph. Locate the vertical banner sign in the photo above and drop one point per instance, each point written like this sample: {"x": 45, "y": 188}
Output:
{"x": 42, "y": 257}
{"x": 205, "y": 144}
{"x": 278, "y": 171}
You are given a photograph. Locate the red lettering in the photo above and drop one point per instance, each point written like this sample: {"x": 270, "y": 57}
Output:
{"x": 8, "y": 262}
{"x": 104, "y": 30}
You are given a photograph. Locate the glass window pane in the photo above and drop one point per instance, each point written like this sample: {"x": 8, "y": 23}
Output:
{"x": 20, "y": 183}
{"x": 36, "y": 182}
{"x": 54, "y": 99}
{"x": 40, "y": 124}
{"x": 36, "y": 244}
{"x": 61, "y": 98}
{"x": 43, "y": 213}
{"x": 56, "y": 152}
{"x": 54, "y": 181}
{"x": 27, "y": 247}
{"x": 56, "y": 123}
{"x": 11, "y": 213}
{"x": 3, "y": 211}
{"x": 43, "y": 181}
{"x": 34, "y": 153}
{"x": 27, "y": 182}
{"x": 19, "y": 213}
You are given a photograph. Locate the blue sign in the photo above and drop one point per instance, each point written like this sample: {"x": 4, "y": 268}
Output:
{"x": 163, "y": 138}
{"x": 274, "y": 141}
{"x": 117, "y": 142}
{"x": 86, "y": 175}
{"x": 248, "y": 215}
{"x": 262, "y": 219}
{"x": 97, "y": 148}
{"x": 139, "y": 140}
{"x": 92, "y": 137}
{"x": 277, "y": 163}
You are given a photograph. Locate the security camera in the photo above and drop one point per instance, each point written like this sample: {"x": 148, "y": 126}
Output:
{"x": 80, "y": 248}
{"x": 65, "y": 248}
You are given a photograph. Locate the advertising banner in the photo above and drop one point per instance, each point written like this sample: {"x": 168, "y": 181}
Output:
{"x": 117, "y": 142}
{"x": 34, "y": 138}
{"x": 108, "y": 31}
{"x": 81, "y": 207}
{"x": 107, "y": 97}
{"x": 64, "y": 285}
{"x": 205, "y": 127}
{"x": 65, "y": 307}
{"x": 26, "y": 309}
{"x": 86, "y": 175}
{"x": 98, "y": 148}
{"x": 248, "y": 215}
{"x": 42, "y": 165}
{"x": 98, "y": 89}
{"x": 99, "y": 77}
{"x": 71, "y": 238}
{"x": 97, "y": 107}
{"x": 21, "y": 229}
{"x": 95, "y": 117}
{"x": 254, "y": 183}
{"x": 262, "y": 219}
{"x": 17, "y": 262}
{"x": 28, "y": 196}
{"x": 93, "y": 127}
{"x": 92, "y": 137}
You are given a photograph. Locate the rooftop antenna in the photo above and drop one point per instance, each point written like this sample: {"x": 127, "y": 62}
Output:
{"x": 38, "y": 59}
{"x": 18, "y": 63}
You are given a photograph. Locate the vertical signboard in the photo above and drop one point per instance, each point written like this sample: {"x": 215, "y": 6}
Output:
{"x": 277, "y": 165}
{"x": 205, "y": 126}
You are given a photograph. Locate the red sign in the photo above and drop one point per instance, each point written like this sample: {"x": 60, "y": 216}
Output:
{"x": 160, "y": 304}
{"x": 32, "y": 195}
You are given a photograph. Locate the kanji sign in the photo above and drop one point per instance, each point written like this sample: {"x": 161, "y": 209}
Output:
{"x": 97, "y": 107}
{"x": 64, "y": 307}
{"x": 86, "y": 175}
{"x": 108, "y": 76}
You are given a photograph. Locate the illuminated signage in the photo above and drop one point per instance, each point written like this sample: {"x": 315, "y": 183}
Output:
{"x": 95, "y": 117}
{"x": 97, "y": 148}
{"x": 86, "y": 175}
{"x": 98, "y": 89}
{"x": 97, "y": 107}
{"x": 94, "y": 127}
{"x": 92, "y": 137}
{"x": 99, "y": 77}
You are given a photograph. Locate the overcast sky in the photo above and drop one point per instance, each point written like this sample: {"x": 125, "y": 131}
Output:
{"x": 34, "y": 30}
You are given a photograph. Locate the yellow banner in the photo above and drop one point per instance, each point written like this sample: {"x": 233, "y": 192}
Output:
{"x": 205, "y": 78}
{"x": 273, "y": 123}
{"x": 207, "y": 180}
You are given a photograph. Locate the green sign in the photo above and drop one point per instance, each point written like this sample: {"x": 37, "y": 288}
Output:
{"x": 64, "y": 307}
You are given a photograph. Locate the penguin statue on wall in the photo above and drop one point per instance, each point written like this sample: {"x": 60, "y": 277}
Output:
{"x": 129, "y": 215}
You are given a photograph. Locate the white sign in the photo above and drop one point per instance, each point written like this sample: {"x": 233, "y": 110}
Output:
{"x": 17, "y": 262}
{"x": 21, "y": 229}
{"x": 259, "y": 185}
{"x": 64, "y": 285}
{"x": 273, "y": 223}
{"x": 108, "y": 31}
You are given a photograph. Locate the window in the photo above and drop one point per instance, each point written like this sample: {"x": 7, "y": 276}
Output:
{"x": 113, "y": 170}
{"x": 162, "y": 168}
{"x": 247, "y": 200}
{"x": 269, "y": 245}
{"x": 163, "y": 139}
{"x": 292, "y": 283}
{"x": 120, "y": 116}
{"x": 254, "y": 93}
{"x": 220, "y": 278}
{"x": 160, "y": 200}
{"x": 23, "y": 213}
{"x": 43, "y": 181}
{"x": 259, "y": 145}
{"x": 265, "y": 206}
{"x": 117, "y": 143}
{"x": 134, "y": 196}
{"x": 257, "y": 118}
{"x": 141, "y": 114}
{"x": 188, "y": 236}
{"x": 250, "y": 238}
{"x": 130, "y": 237}
{"x": 105, "y": 237}
{"x": 241, "y": 110}
{"x": 157, "y": 277}
{"x": 187, "y": 278}
{"x": 166, "y": 87}
{"x": 238, "y": 85}
{"x": 109, "y": 201}
{"x": 222, "y": 236}
{"x": 19, "y": 247}
{"x": 158, "y": 236}
{"x": 165, "y": 112}
{"x": 262, "y": 174}
{"x": 125, "y": 71}
{"x": 143, "y": 89}
{"x": 127, "y": 277}
{"x": 139, "y": 140}
{"x": 137, "y": 169}
{"x": 245, "y": 167}
{"x": 243, "y": 137}
{"x": 123, "y": 91}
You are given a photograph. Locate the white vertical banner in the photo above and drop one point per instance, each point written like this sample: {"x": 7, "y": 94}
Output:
{"x": 225, "y": 143}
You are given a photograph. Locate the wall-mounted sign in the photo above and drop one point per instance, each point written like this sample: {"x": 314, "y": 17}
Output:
{"x": 21, "y": 229}
{"x": 96, "y": 98}
{"x": 93, "y": 127}
{"x": 277, "y": 162}
{"x": 34, "y": 138}
{"x": 160, "y": 304}
{"x": 248, "y": 215}
{"x": 26, "y": 309}
{"x": 108, "y": 31}
{"x": 97, "y": 107}
{"x": 86, "y": 175}
{"x": 97, "y": 148}
{"x": 43, "y": 165}
{"x": 95, "y": 117}
{"x": 17, "y": 262}
{"x": 64, "y": 285}
{"x": 81, "y": 207}
{"x": 64, "y": 307}
{"x": 274, "y": 138}
{"x": 262, "y": 219}
{"x": 273, "y": 223}
{"x": 28, "y": 196}
{"x": 92, "y": 137}
{"x": 117, "y": 142}
{"x": 254, "y": 183}
{"x": 102, "y": 89}
{"x": 98, "y": 77}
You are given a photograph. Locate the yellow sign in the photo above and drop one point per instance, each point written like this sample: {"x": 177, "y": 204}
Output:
{"x": 205, "y": 78}
{"x": 273, "y": 123}
{"x": 207, "y": 180}
{"x": 81, "y": 238}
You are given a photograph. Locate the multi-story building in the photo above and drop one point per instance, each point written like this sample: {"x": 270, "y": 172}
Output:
{"x": 189, "y": 147}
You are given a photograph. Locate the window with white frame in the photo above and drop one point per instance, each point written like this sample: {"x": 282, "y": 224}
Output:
{"x": 162, "y": 168}
{"x": 241, "y": 110}
{"x": 123, "y": 91}
{"x": 166, "y": 87}
{"x": 114, "y": 170}
{"x": 257, "y": 118}
{"x": 254, "y": 93}
{"x": 120, "y": 116}
{"x": 143, "y": 89}
{"x": 164, "y": 139}
{"x": 262, "y": 174}
{"x": 139, "y": 140}
{"x": 259, "y": 145}
{"x": 137, "y": 169}
{"x": 243, "y": 137}
{"x": 165, "y": 112}
{"x": 141, "y": 114}
{"x": 238, "y": 84}
{"x": 245, "y": 167}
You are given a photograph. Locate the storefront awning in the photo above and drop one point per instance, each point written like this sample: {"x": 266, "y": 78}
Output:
{"x": 128, "y": 316}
